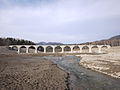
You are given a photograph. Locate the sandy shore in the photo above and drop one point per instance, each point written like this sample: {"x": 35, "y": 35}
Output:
{"x": 23, "y": 73}
{"x": 105, "y": 63}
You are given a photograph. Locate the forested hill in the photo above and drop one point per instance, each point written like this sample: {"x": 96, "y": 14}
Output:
{"x": 113, "y": 41}
{"x": 13, "y": 41}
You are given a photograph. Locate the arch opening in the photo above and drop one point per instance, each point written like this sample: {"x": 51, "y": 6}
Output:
{"x": 58, "y": 49}
{"x": 104, "y": 49}
{"x": 49, "y": 49}
{"x": 31, "y": 49}
{"x": 95, "y": 49}
{"x": 76, "y": 49}
{"x": 22, "y": 49}
{"x": 67, "y": 49}
{"x": 85, "y": 49}
{"x": 40, "y": 49}
{"x": 15, "y": 48}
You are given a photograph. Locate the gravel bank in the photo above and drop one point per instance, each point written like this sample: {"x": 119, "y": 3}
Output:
{"x": 105, "y": 63}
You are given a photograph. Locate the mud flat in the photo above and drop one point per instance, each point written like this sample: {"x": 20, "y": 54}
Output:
{"x": 30, "y": 73}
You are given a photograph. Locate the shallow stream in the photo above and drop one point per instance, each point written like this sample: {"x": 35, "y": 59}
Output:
{"x": 82, "y": 78}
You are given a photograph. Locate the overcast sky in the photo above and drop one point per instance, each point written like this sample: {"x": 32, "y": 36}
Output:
{"x": 66, "y": 21}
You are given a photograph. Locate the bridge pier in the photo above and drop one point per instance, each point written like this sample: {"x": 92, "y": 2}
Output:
{"x": 27, "y": 49}
{"x": 18, "y": 51}
{"x": 35, "y": 50}
{"x": 99, "y": 49}
{"x": 90, "y": 49}
{"x": 44, "y": 49}
{"x": 62, "y": 49}
{"x": 53, "y": 49}
{"x": 71, "y": 49}
{"x": 80, "y": 49}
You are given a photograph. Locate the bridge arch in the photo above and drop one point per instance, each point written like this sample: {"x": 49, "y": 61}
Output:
{"x": 15, "y": 48}
{"x": 31, "y": 49}
{"x": 58, "y": 49}
{"x": 76, "y": 48}
{"x": 95, "y": 49}
{"x": 85, "y": 49}
{"x": 104, "y": 48}
{"x": 49, "y": 49}
{"x": 40, "y": 49}
{"x": 67, "y": 49}
{"x": 23, "y": 49}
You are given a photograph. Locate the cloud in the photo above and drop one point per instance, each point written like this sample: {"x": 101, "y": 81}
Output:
{"x": 57, "y": 20}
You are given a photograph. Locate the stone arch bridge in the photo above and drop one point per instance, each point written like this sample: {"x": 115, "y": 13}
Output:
{"x": 58, "y": 48}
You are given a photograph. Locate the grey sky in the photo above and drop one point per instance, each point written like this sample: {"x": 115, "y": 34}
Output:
{"x": 67, "y": 21}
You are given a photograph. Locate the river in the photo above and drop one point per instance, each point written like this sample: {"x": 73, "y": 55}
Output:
{"x": 82, "y": 78}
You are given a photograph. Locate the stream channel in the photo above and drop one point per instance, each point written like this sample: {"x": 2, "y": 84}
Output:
{"x": 82, "y": 78}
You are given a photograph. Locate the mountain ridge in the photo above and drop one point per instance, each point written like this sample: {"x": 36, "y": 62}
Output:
{"x": 113, "y": 41}
{"x": 49, "y": 43}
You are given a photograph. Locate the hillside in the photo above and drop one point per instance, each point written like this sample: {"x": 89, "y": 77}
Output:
{"x": 113, "y": 41}
{"x": 115, "y": 37}
{"x": 14, "y": 41}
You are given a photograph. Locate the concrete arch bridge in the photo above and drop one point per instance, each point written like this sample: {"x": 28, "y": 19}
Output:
{"x": 59, "y": 48}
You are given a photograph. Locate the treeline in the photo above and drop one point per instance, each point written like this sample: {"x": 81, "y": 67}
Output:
{"x": 13, "y": 41}
{"x": 115, "y": 42}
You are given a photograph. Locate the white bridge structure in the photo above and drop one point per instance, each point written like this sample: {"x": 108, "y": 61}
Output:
{"x": 57, "y": 48}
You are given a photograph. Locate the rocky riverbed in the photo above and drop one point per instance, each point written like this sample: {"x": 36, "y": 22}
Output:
{"x": 108, "y": 64}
